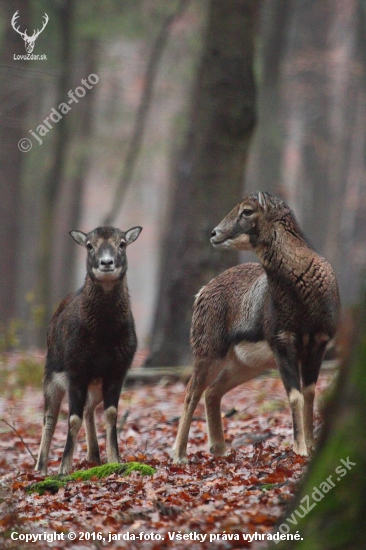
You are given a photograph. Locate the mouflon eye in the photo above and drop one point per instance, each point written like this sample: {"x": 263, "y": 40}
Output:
{"x": 247, "y": 212}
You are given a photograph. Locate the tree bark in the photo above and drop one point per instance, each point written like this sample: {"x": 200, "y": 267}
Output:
{"x": 53, "y": 184}
{"x": 264, "y": 167}
{"x": 208, "y": 178}
{"x": 14, "y": 106}
{"x": 67, "y": 211}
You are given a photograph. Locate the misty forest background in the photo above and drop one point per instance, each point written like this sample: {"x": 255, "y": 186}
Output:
{"x": 197, "y": 103}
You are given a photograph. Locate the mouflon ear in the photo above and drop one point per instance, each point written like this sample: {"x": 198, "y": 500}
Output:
{"x": 79, "y": 237}
{"x": 132, "y": 234}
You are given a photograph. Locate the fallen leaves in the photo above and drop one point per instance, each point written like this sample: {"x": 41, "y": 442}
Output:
{"x": 244, "y": 492}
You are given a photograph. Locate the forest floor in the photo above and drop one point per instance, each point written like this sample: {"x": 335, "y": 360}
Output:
{"x": 244, "y": 493}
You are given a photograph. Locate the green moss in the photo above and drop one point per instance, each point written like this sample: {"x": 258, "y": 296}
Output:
{"x": 109, "y": 469}
{"x": 137, "y": 466}
{"x": 54, "y": 483}
{"x": 49, "y": 484}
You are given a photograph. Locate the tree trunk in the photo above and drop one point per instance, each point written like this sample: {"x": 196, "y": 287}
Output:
{"x": 14, "y": 105}
{"x": 264, "y": 166}
{"x": 308, "y": 146}
{"x": 53, "y": 183}
{"x": 208, "y": 179}
{"x": 68, "y": 208}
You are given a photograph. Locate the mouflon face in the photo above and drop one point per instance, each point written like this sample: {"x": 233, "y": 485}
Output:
{"x": 106, "y": 246}
{"x": 250, "y": 222}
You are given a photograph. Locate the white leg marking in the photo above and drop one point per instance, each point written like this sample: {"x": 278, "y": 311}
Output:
{"x": 297, "y": 408}
{"x": 204, "y": 373}
{"x": 53, "y": 393}
{"x": 75, "y": 423}
{"x": 94, "y": 397}
{"x": 309, "y": 395}
{"x": 91, "y": 437}
{"x": 192, "y": 398}
{"x": 110, "y": 416}
{"x": 48, "y": 430}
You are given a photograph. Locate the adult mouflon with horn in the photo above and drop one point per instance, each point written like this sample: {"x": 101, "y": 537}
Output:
{"x": 281, "y": 312}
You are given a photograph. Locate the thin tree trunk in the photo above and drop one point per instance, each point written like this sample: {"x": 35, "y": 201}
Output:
{"x": 55, "y": 175}
{"x": 208, "y": 179}
{"x": 14, "y": 106}
{"x": 263, "y": 171}
{"x": 135, "y": 144}
{"x": 69, "y": 205}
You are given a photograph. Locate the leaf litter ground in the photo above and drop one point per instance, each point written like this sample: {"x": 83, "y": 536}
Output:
{"x": 245, "y": 492}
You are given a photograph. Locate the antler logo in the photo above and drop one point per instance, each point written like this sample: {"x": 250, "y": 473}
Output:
{"x": 29, "y": 41}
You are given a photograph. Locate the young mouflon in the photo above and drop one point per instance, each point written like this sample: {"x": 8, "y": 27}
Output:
{"x": 91, "y": 343}
{"x": 281, "y": 312}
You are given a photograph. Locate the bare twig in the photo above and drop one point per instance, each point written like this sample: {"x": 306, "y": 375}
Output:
{"x": 11, "y": 426}
{"x": 142, "y": 111}
{"x": 123, "y": 421}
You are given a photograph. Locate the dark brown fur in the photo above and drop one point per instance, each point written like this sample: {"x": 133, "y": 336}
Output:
{"x": 91, "y": 343}
{"x": 289, "y": 303}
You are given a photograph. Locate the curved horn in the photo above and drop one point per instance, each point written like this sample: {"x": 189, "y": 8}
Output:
{"x": 262, "y": 200}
